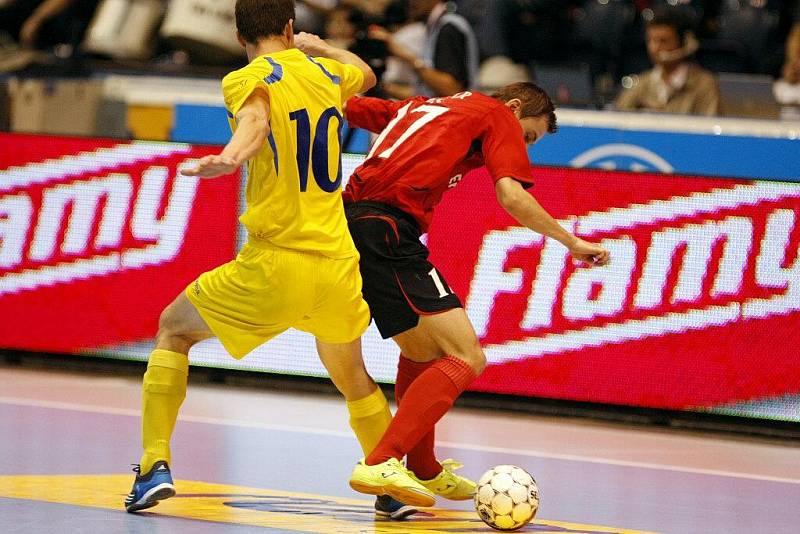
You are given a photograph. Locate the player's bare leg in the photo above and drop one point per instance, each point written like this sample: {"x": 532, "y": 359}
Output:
{"x": 180, "y": 326}
{"x": 345, "y": 365}
{"x": 446, "y": 333}
{"x": 163, "y": 391}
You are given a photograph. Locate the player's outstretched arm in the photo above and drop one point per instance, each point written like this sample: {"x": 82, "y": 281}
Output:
{"x": 252, "y": 128}
{"x": 528, "y": 212}
{"x": 310, "y": 44}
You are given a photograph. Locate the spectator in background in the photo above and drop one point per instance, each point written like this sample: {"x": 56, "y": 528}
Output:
{"x": 791, "y": 68}
{"x": 346, "y": 27}
{"x": 400, "y": 78}
{"x": 46, "y": 23}
{"x": 341, "y": 26}
{"x": 374, "y": 9}
{"x": 787, "y": 88}
{"x": 449, "y": 60}
{"x": 674, "y": 85}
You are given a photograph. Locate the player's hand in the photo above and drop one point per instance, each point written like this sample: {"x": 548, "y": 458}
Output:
{"x": 211, "y": 166}
{"x": 311, "y": 44}
{"x": 589, "y": 253}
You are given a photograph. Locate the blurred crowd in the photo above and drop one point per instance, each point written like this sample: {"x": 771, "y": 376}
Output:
{"x": 628, "y": 54}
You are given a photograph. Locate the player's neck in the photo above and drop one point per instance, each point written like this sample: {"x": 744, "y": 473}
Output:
{"x": 266, "y": 46}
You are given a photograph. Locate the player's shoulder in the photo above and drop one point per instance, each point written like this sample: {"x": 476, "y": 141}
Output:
{"x": 488, "y": 102}
{"x": 242, "y": 75}
{"x": 467, "y": 98}
{"x": 468, "y": 104}
{"x": 496, "y": 110}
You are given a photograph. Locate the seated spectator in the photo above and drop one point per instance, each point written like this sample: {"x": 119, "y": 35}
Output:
{"x": 448, "y": 63}
{"x": 46, "y": 23}
{"x": 346, "y": 27}
{"x": 791, "y": 68}
{"x": 374, "y": 9}
{"x": 675, "y": 84}
{"x": 342, "y": 25}
{"x": 400, "y": 78}
{"x": 787, "y": 89}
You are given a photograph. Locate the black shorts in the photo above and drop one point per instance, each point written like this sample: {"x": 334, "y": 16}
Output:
{"x": 400, "y": 284}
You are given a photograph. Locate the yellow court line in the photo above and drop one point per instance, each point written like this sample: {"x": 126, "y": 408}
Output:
{"x": 299, "y": 512}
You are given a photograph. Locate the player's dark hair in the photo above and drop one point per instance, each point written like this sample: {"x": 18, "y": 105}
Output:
{"x": 256, "y": 19}
{"x": 672, "y": 18}
{"x": 535, "y": 101}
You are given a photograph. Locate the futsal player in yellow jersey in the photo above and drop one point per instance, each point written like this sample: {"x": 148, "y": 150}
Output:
{"x": 299, "y": 267}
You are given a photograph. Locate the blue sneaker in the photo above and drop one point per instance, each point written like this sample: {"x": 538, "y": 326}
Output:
{"x": 150, "y": 488}
{"x": 386, "y": 506}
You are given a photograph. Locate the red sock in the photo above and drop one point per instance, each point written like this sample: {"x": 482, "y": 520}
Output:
{"x": 425, "y": 401}
{"x": 422, "y": 458}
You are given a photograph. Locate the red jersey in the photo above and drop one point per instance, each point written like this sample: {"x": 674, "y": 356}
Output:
{"x": 427, "y": 145}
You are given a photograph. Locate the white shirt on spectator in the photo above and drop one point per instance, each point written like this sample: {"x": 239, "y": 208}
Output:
{"x": 411, "y": 36}
{"x": 674, "y": 83}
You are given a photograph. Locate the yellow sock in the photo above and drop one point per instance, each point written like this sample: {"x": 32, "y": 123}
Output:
{"x": 369, "y": 419}
{"x": 163, "y": 391}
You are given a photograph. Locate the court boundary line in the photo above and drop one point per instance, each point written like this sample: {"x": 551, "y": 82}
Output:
{"x": 88, "y": 408}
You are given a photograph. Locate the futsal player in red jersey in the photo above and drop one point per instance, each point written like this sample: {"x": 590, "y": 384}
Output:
{"x": 425, "y": 147}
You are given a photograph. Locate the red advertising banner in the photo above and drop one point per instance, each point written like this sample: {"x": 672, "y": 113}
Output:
{"x": 98, "y": 236}
{"x": 699, "y": 307}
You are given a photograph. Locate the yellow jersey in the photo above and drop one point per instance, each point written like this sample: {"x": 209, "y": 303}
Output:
{"x": 293, "y": 191}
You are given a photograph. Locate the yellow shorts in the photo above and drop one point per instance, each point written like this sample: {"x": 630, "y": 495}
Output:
{"x": 267, "y": 290}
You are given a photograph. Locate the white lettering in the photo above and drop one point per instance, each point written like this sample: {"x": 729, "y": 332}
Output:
{"x": 699, "y": 240}
{"x": 15, "y": 219}
{"x": 614, "y": 279}
{"x": 84, "y": 197}
{"x": 739, "y": 240}
{"x": 547, "y": 282}
{"x": 491, "y": 277}
{"x": 169, "y": 231}
{"x": 769, "y": 270}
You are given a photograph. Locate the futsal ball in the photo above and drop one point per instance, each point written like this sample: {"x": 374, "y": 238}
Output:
{"x": 507, "y": 497}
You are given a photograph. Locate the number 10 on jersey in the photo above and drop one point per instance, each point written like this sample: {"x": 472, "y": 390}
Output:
{"x": 318, "y": 148}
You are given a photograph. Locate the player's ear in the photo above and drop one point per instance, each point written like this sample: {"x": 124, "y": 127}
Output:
{"x": 515, "y": 104}
{"x": 241, "y": 39}
{"x": 288, "y": 32}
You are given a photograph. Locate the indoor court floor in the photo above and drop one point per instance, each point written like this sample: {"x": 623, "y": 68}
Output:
{"x": 257, "y": 460}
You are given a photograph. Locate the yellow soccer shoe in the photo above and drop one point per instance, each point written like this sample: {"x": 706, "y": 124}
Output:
{"x": 449, "y": 485}
{"x": 390, "y": 478}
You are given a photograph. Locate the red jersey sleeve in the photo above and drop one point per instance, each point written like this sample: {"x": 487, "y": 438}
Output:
{"x": 370, "y": 113}
{"x": 504, "y": 150}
